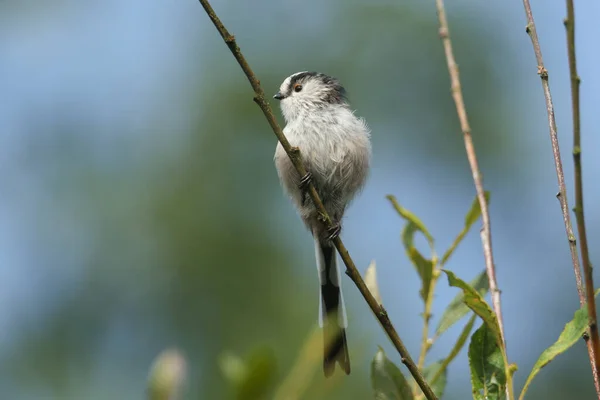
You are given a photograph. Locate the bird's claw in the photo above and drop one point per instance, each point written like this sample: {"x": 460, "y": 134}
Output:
{"x": 321, "y": 217}
{"x": 305, "y": 181}
{"x": 333, "y": 231}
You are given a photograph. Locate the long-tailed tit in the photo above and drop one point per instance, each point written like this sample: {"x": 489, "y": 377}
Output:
{"x": 336, "y": 150}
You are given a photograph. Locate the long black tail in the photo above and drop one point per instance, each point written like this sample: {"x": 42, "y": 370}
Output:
{"x": 336, "y": 347}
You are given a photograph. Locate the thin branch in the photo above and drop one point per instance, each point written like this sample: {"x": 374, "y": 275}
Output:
{"x": 486, "y": 232}
{"x": 562, "y": 193}
{"x": 295, "y": 157}
{"x": 579, "y": 215}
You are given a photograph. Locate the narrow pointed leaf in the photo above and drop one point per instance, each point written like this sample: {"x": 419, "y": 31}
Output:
{"x": 433, "y": 370}
{"x": 440, "y": 373}
{"x": 476, "y": 302}
{"x": 487, "y": 365}
{"x": 572, "y": 333}
{"x": 387, "y": 381}
{"x": 408, "y": 235}
{"x": 425, "y": 269}
{"x": 472, "y": 216}
{"x": 457, "y": 309}
{"x": 371, "y": 281}
{"x": 412, "y": 218}
{"x": 423, "y": 266}
{"x": 462, "y": 339}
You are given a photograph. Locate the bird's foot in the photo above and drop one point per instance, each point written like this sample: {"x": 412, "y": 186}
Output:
{"x": 333, "y": 231}
{"x": 305, "y": 182}
{"x": 303, "y": 186}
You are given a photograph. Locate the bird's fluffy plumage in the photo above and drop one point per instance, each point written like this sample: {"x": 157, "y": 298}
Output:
{"x": 335, "y": 147}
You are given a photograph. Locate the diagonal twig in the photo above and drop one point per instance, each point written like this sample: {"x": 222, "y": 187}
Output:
{"x": 579, "y": 215}
{"x": 562, "y": 190}
{"x": 295, "y": 157}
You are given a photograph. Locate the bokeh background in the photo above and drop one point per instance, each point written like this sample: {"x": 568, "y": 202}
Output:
{"x": 141, "y": 210}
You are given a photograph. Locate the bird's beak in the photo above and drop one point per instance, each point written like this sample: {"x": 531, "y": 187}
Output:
{"x": 278, "y": 96}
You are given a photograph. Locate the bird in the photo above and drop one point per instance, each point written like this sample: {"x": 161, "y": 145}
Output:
{"x": 335, "y": 146}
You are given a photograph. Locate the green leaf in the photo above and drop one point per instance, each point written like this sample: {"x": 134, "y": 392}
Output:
{"x": 387, "y": 381}
{"x": 475, "y": 302}
{"x": 411, "y": 218}
{"x": 424, "y": 267}
{"x": 425, "y": 270}
{"x": 572, "y": 332}
{"x": 472, "y": 216}
{"x": 488, "y": 368}
{"x": 457, "y": 309}
{"x": 462, "y": 339}
{"x": 433, "y": 371}
{"x": 440, "y": 373}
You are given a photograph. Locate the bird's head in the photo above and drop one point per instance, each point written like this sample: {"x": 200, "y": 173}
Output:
{"x": 308, "y": 92}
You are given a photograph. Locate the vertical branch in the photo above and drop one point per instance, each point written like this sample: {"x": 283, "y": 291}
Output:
{"x": 579, "y": 215}
{"x": 594, "y": 350}
{"x": 486, "y": 234}
{"x": 296, "y": 159}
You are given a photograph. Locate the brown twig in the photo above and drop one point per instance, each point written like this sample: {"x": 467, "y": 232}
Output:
{"x": 562, "y": 191}
{"x": 579, "y": 215}
{"x": 295, "y": 157}
{"x": 486, "y": 232}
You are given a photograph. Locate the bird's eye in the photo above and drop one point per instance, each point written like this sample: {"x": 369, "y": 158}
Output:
{"x": 297, "y": 88}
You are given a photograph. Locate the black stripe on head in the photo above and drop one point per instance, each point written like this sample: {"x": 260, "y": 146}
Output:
{"x": 300, "y": 77}
{"x": 336, "y": 93}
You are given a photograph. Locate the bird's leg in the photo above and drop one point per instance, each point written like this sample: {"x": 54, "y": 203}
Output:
{"x": 303, "y": 186}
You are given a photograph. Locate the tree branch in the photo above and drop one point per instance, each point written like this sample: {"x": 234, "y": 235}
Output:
{"x": 562, "y": 193}
{"x": 486, "y": 232}
{"x": 579, "y": 215}
{"x": 295, "y": 157}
